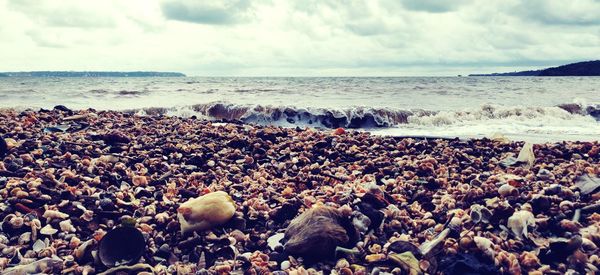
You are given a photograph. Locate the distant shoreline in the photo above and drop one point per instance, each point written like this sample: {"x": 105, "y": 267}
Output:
{"x": 91, "y": 74}
{"x": 586, "y": 68}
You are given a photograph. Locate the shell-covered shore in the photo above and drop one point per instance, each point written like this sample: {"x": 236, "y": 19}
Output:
{"x": 352, "y": 203}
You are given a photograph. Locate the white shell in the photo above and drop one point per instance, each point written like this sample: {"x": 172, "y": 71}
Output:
{"x": 485, "y": 245}
{"x": 519, "y": 222}
{"x": 508, "y": 190}
{"x": 48, "y": 230}
{"x": 67, "y": 226}
{"x": 39, "y": 245}
{"x": 53, "y": 214}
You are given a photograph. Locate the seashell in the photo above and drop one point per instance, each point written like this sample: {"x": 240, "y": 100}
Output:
{"x": 373, "y": 258}
{"x": 205, "y": 212}
{"x": 275, "y": 240}
{"x": 479, "y": 214}
{"x": 342, "y": 263}
{"x": 361, "y": 222}
{"x": 588, "y": 245}
{"x": 430, "y": 245}
{"x": 135, "y": 269}
{"x": 39, "y": 245}
{"x": 466, "y": 242}
{"x": 545, "y": 174}
{"x": 529, "y": 260}
{"x": 162, "y": 218}
{"x": 88, "y": 215}
{"x": 45, "y": 265}
{"x": 139, "y": 181}
{"x": 408, "y": 262}
{"x": 122, "y": 245}
{"x": 507, "y": 190}
{"x": 519, "y": 222}
{"x": 67, "y": 226}
{"x": 81, "y": 250}
{"x": 24, "y": 238}
{"x": 485, "y": 245}
{"x": 16, "y": 222}
{"x": 53, "y": 214}
{"x": 48, "y": 230}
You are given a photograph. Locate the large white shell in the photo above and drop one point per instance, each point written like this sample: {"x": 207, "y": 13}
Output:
{"x": 519, "y": 222}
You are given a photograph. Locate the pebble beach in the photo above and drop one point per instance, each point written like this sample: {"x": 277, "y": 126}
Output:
{"x": 107, "y": 192}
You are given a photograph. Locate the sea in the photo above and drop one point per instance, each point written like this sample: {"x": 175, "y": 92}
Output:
{"x": 534, "y": 109}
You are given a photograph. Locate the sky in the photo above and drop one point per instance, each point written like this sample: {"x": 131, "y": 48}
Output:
{"x": 298, "y": 38}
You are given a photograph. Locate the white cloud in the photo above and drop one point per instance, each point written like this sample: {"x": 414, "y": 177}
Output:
{"x": 312, "y": 37}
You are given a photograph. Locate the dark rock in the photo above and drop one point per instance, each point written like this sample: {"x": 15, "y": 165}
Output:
{"x": 560, "y": 249}
{"x": 540, "y": 204}
{"x": 115, "y": 137}
{"x": 316, "y": 233}
{"x": 373, "y": 214}
{"x": 238, "y": 143}
{"x": 196, "y": 160}
{"x": 286, "y": 212}
{"x": 63, "y": 109}
{"x": 402, "y": 246}
{"x": 3, "y": 147}
{"x": 466, "y": 264}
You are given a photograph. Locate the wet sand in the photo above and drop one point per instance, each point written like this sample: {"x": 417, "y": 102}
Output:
{"x": 383, "y": 204}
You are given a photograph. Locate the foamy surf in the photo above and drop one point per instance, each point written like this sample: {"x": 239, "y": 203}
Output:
{"x": 538, "y": 124}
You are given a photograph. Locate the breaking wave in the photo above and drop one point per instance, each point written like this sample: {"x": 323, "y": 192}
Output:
{"x": 364, "y": 117}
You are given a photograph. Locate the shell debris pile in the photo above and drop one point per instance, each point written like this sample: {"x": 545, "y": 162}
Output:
{"x": 218, "y": 198}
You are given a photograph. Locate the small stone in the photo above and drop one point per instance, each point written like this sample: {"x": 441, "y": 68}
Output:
{"x": 285, "y": 265}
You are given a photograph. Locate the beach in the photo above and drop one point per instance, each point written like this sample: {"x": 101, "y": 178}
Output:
{"x": 401, "y": 205}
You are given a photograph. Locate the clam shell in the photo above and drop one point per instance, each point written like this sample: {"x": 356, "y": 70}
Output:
{"x": 122, "y": 245}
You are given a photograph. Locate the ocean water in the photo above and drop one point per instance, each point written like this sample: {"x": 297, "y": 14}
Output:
{"x": 534, "y": 109}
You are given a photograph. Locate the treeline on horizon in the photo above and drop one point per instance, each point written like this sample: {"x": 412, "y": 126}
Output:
{"x": 586, "y": 68}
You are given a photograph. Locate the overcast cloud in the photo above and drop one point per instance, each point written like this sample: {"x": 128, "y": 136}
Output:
{"x": 303, "y": 38}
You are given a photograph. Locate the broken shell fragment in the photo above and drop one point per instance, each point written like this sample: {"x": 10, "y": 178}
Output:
{"x": 67, "y": 226}
{"x": 121, "y": 246}
{"x": 48, "y": 230}
{"x": 53, "y": 214}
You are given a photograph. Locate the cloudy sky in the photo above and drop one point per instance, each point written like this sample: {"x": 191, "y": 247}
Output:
{"x": 298, "y": 38}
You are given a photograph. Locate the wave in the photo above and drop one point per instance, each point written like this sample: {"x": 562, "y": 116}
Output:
{"x": 365, "y": 117}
